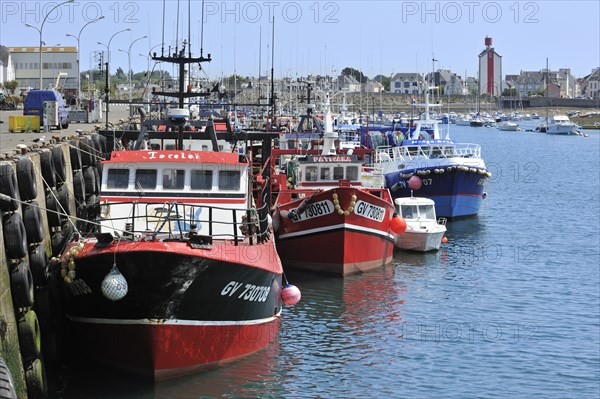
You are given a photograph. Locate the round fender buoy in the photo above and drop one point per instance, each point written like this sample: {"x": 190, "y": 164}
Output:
{"x": 114, "y": 286}
{"x": 290, "y": 295}
{"x": 444, "y": 239}
{"x": 415, "y": 183}
{"x": 398, "y": 224}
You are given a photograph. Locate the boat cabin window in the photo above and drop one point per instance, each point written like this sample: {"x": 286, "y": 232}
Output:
{"x": 426, "y": 211}
{"x": 145, "y": 178}
{"x": 311, "y": 173}
{"x": 201, "y": 180}
{"x": 409, "y": 211}
{"x": 325, "y": 173}
{"x": 229, "y": 180}
{"x": 173, "y": 179}
{"x": 338, "y": 172}
{"x": 118, "y": 178}
{"x": 352, "y": 173}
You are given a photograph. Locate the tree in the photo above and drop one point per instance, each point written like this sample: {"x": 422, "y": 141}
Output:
{"x": 357, "y": 74}
{"x": 11, "y": 86}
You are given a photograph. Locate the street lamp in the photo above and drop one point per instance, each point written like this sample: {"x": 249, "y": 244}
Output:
{"x": 40, "y": 32}
{"x": 78, "y": 53}
{"x": 129, "y": 62}
{"x": 107, "y": 87}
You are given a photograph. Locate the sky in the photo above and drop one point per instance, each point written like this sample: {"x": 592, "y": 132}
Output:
{"x": 321, "y": 37}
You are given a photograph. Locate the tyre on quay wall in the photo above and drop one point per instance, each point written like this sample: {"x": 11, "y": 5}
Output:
{"x": 86, "y": 144}
{"x": 15, "y": 242}
{"x": 21, "y": 284}
{"x": 26, "y": 178}
{"x": 30, "y": 339}
{"x": 32, "y": 219}
{"x": 38, "y": 264}
{"x": 60, "y": 167}
{"x": 7, "y": 387}
{"x": 35, "y": 377}
{"x": 89, "y": 177}
{"x": 63, "y": 200}
{"x": 75, "y": 154}
{"x": 48, "y": 169}
{"x": 52, "y": 209}
{"x": 79, "y": 186}
{"x": 10, "y": 187}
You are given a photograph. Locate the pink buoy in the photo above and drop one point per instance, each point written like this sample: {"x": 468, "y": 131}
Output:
{"x": 290, "y": 295}
{"x": 415, "y": 183}
{"x": 444, "y": 239}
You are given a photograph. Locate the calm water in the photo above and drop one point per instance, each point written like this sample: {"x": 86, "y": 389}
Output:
{"x": 509, "y": 307}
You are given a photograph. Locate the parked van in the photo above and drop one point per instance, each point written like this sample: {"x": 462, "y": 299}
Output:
{"x": 34, "y": 104}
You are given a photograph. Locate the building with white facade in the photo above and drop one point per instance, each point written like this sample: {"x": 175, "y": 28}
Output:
{"x": 7, "y": 67}
{"x": 407, "y": 83}
{"x": 55, "y": 60}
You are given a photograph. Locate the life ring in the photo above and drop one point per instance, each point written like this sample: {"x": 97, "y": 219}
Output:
{"x": 15, "y": 242}
{"x": 86, "y": 146}
{"x": 21, "y": 285}
{"x": 78, "y": 186}
{"x": 75, "y": 154}
{"x": 53, "y": 211}
{"x": 38, "y": 264}
{"x": 60, "y": 166}
{"x": 48, "y": 168}
{"x": 30, "y": 340}
{"x": 89, "y": 178}
{"x": 26, "y": 178}
{"x": 32, "y": 219}
{"x": 63, "y": 199}
{"x": 35, "y": 378}
{"x": 7, "y": 387}
{"x": 9, "y": 186}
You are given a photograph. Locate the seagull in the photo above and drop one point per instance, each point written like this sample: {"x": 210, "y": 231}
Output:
{"x": 39, "y": 139}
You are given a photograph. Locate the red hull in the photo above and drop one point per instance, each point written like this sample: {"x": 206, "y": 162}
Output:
{"x": 162, "y": 351}
{"x": 337, "y": 244}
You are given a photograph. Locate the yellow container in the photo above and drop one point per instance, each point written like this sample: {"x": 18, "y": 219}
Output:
{"x": 23, "y": 123}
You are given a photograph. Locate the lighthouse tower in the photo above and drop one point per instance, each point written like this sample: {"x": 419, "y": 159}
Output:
{"x": 490, "y": 70}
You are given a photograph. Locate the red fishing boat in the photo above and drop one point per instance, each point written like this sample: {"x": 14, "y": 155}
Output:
{"x": 181, "y": 273}
{"x": 332, "y": 214}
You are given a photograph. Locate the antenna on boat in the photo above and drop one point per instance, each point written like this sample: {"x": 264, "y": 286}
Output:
{"x": 162, "y": 45}
{"x": 202, "y": 31}
{"x": 273, "y": 103}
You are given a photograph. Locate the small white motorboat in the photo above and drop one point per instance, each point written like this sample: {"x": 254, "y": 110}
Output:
{"x": 424, "y": 232}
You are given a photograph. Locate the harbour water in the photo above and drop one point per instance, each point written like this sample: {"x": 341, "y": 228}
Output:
{"x": 508, "y": 308}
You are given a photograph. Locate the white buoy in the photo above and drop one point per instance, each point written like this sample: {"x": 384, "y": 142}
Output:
{"x": 114, "y": 286}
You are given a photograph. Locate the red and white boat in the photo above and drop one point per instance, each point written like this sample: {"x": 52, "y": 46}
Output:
{"x": 332, "y": 214}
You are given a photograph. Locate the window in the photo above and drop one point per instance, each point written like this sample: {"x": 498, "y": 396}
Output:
{"x": 201, "y": 180}
{"x": 145, "y": 178}
{"x": 173, "y": 179}
{"x": 229, "y": 180}
{"x": 409, "y": 211}
{"x": 338, "y": 172}
{"x": 311, "y": 173}
{"x": 325, "y": 173}
{"x": 426, "y": 211}
{"x": 352, "y": 173}
{"x": 118, "y": 178}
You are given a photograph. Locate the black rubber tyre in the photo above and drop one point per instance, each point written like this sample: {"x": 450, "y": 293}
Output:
{"x": 79, "y": 186}
{"x": 21, "y": 285}
{"x": 9, "y": 186}
{"x": 89, "y": 178}
{"x": 82, "y": 219}
{"x": 30, "y": 339}
{"x": 38, "y": 263}
{"x": 48, "y": 168}
{"x": 63, "y": 199}
{"x": 7, "y": 387}
{"x": 103, "y": 150}
{"x": 32, "y": 219}
{"x": 86, "y": 144}
{"x": 75, "y": 154}
{"x": 97, "y": 146}
{"x": 60, "y": 166}
{"x": 56, "y": 241}
{"x": 15, "y": 236}
{"x": 98, "y": 178}
{"x": 35, "y": 377}
{"x": 26, "y": 178}
{"x": 54, "y": 219}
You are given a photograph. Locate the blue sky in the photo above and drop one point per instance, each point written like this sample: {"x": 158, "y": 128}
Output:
{"x": 377, "y": 37}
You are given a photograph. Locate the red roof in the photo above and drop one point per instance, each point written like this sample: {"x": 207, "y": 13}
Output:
{"x": 175, "y": 156}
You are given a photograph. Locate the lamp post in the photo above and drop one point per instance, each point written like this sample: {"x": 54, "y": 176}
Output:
{"x": 129, "y": 62}
{"x": 107, "y": 87}
{"x": 79, "y": 51}
{"x": 40, "y": 30}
